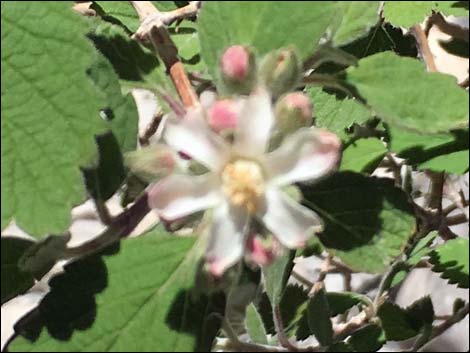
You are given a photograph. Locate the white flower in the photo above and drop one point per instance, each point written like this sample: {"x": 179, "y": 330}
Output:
{"x": 244, "y": 180}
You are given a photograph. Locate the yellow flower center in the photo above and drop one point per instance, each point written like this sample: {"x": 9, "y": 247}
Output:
{"x": 243, "y": 183}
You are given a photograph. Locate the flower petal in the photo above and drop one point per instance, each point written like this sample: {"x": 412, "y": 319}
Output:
{"x": 177, "y": 196}
{"x": 227, "y": 238}
{"x": 307, "y": 154}
{"x": 290, "y": 222}
{"x": 255, "y": 124}
{"x": 193, "y": 137}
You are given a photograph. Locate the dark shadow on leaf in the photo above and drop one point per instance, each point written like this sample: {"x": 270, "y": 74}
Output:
{"x": 15, "y": 281}
{"x": 192, "y": 61}
{"x": 350, "y": 205}
{"x": 461, "y": 4}
{"x": 197, "y": 314}
{"x": 70, "y": 305}
{"x": 456, "y": 46}
{"x": 129, "y": 59}
{"x": 418, "y": 154}
{"x": 382, "y": 37}
{"x": 181, "y": 30}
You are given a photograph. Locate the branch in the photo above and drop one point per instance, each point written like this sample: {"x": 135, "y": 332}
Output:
{"x": 153, "y": 28}
{"x": 439, "y": 330}
{"x": 151, "y": 129}
{"x": 279, "y": 326}
{"x": 121, "y": 226}
{"x": 423, "y": 47}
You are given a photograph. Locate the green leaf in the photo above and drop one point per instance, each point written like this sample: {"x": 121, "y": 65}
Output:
{"x": 405, "y": 13}
{"x": 354, "y": 20}
{"x": 421, "y": 313}
{"x": 255, "y": 326}
{"x": 408, "y": 13}
{"x": 339, "y": 302}
{"x": 39, "y": 258}
{"x": 120, "y": 110}
{"x": 105, "y": 178}
{"x": 276, "y": 276}
{"x": 456, "y": 8}
{"x": 402, "y": 93}
{"x": 124, "y": 12}
{"x": 135, "y": 65}
{"x": 186, "y": 40}
{"x": 363, "y": 155}
{"x": 456, "y": 162}
{"x": 451, "y": 260}
{"x": 421, "y": 249}
{"x": 336, "y": 115}
{"x": 14, "y": 280}
{"x": 368, "y": 221}
{"x": 369, "y": 338}
{"x": 326, "y": 53}
{"x": 318, "y": 314}
{"x": 383, "y": 37}
{"x": 431, "y": 151}
{"x": 400, "y": 324}
{"x": 137, "y": 298}
{"x": 293, "y": 306}
{"x": 264, "y": 25}
{"x": 50, "y": 112}
{"x": 395, "y": 322}
{"x": 243, "y": 286}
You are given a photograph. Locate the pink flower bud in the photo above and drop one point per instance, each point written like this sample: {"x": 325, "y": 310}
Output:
{"x": 238, "y": 70}
{"x": 235, "y": 63}
{"x": 301, "y": 103}
{"x": 260, "y": 253}
{"x": 223, "y": 115}
{"x": 293, "y": 111}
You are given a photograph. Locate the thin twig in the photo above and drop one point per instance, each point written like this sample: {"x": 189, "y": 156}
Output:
{"x": 103, "y": 212}
{"x": 457, "y": 219}
{"x": 120, "y": 227}
{"x": 83, "y": 7}
{"x": 152, "y": 28}
{"x": 151, "y": 129}
{"x": 347, "y": 288}
{"x": 342, "y": 331}
{"x": 181, "y": 13}
{"x": 386, "y": 281}
{"x": 395, "y": 169}
{"x": 423, "y": 47}
{"x": 439, "y": 330}
{"x": 279, "y": 326}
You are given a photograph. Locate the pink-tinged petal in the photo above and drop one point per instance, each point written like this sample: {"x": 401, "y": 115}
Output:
{"x": 290, "y": 222}
{"x": 307, "y": 154}
{"x": 260, "y": 253}
{"x": 177, "y": 196}
{"x": 223, "y": 115}
{"x": 192, "y": 137}
{"x": 227, "y": 238}
{"x": 255, "y": 124}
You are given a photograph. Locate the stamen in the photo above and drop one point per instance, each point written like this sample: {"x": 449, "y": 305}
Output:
{"x": 243, "y": 183}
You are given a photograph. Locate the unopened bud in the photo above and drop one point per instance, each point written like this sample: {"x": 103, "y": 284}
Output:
{"x": 237, "y": 66}
{"x": 293, "y": 111}
{"x": 280, "y": 71}
{"x": 223, "y": 115}
{"x": 262, "y": 251}
{"x": 152, "y": 162}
